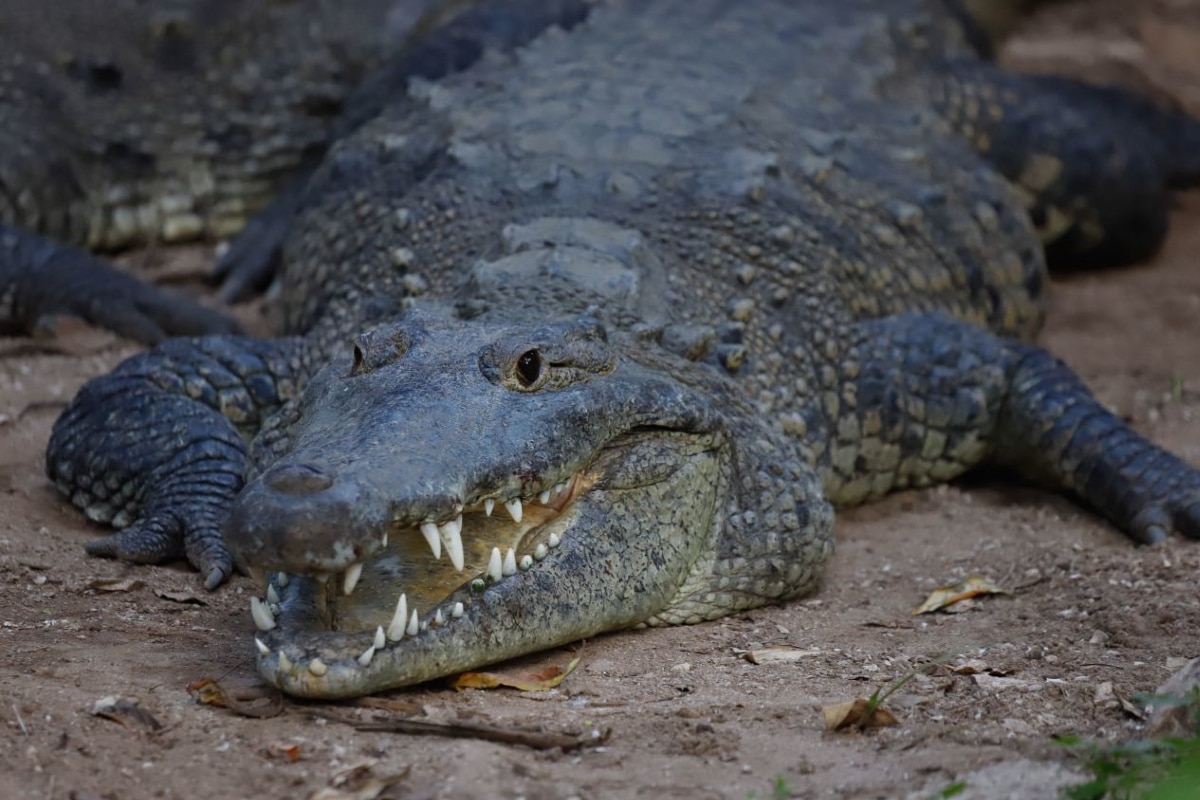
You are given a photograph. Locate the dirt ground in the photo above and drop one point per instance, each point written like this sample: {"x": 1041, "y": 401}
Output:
{"x": 1091, "y": 620}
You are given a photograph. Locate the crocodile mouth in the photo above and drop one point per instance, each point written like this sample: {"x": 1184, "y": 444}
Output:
{"x": 426, "y": 574}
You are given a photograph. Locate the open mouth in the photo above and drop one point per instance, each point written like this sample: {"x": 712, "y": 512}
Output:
{"x": 426, "y": 573}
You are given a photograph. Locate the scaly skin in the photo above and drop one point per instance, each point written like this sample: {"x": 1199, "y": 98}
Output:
{"x": 599, "y": 337}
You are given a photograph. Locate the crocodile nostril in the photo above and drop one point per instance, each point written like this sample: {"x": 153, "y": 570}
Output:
{"x": 298, "y": 479}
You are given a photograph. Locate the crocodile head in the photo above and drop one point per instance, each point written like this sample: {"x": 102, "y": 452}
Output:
{"x": 455, "y": 493}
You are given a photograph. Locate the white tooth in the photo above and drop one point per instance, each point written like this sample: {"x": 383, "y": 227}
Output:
{"x": 458, "y": 509}
{"x": 413, "y": 624}
{"x": 541, "y": 551}
{"x": 488, "y": 505}
{"x": 430, "y": 531}
{"x": 514, "y": 508}
{"x": 510, "y": 563}
{"x": 282, "y": 579}
{"x": 554, "y": 540}
{"x": 263, "y": 650}
{"x": 263, "y": 619}
{"x": 272, "y": 595}
{"x": 380, "y": 640}
{"x": 353, "y": 573}
{"x": 438, "y": 618}
{"x": 526, "y": 562}
{"x": 317, "y": 667}
{"x": 365, "y": 659}
{"x": 395, "y": 630}
{"x": 544, "y": 497}
{"x": 559, "y": 488}
{"x": 383, "y": 540}
{"x": 451, "y": 536}
{"x": 458, "y": 610}
{"x": 424, "y": 626}
{"x": 494, "y": 568}
{"x": 285, "y": 663}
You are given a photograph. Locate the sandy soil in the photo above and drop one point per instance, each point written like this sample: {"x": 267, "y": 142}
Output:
{"x": 1091, "y": 620}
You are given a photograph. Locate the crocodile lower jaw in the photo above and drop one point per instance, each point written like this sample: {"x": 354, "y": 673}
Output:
{"x": 409, "y": 586}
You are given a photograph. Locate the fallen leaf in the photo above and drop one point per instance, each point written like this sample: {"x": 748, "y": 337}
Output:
{"x": 540, "y": 681}
{"x": 973, "y": 586}
{"x": 777, "y": 653}
{"x": 127, "y": 713}
{"x": 183, "y": 597}
{"x": 255, "y": 703}
{"x": 368, "y": 789}
{"x": 856, "y": 713}
{"x": 115, "y": 584}
{"x": 284, "y": 751}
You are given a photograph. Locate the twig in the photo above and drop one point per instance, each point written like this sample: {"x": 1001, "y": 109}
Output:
{"x": 20, "y": 720}
{"x": 460, "y": 730}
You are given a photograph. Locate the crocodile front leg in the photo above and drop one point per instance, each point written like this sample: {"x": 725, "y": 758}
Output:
{"x": 158, "y": 447}
{"x": 934, "y": 396}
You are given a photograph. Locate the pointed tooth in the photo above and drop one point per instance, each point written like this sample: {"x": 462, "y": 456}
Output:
{"x": 526, "y": 562}
{"x": 272, "y": 595}
{"x": 559, "y": 488}
{"x": 285, "y": 663}
{"x": 541, "y": 551}
{"x": 264, "y": 620}
{"x": 544, "y": 497}
{"x": 380, "y": 639}
{"x": 353, "y": 573}
{"x": 514, "y": 508}
{"x": 430, "y": 531}
{"x": 395, "y": 630}
{"x": 263, "y": 650}
{"x": 494, "y": 566}
{"x": 554, "y": 540}
{"x": 317, "y": 667}
{"x": 510, "y": 563}
{"x": 439, "y": 618}
{"x": 488, "y": 505}
{"x": 458, "y": 509}
{"x": 414, "y": 625}
{"x": 451, "y": 536}
{"x": 365, "y": 659}
{"x": 282, "y": 579}
{"x": 383, "y": 540}
{"x": 458, "y": 610}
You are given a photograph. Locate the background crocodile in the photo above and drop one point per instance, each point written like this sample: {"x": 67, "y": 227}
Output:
{"x": 125, "y": 125}
{"x": 627, "y": 320}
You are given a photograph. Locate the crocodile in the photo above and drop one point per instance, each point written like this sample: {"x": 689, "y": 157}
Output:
{"x": 598, "y": 333}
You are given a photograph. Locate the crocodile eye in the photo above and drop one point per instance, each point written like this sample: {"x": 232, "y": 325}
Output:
{"x": 529, "y": 368}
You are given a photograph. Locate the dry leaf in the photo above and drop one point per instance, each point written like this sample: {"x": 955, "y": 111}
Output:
{"x": 255, "y": 703}
{"x": 366, "y": 790}
{"x": 777, "y": 653}
{"x": 182, "y": 597}
{"x": 284, "y": 751}
{"x": 1179, "y": 715}
{"x": 127, "y": 713}
{"x": 858, "y": 714}
{"x": 115, "y": 584}
{"x": 547, "y": 678}
{"x": 973, "y": 586}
